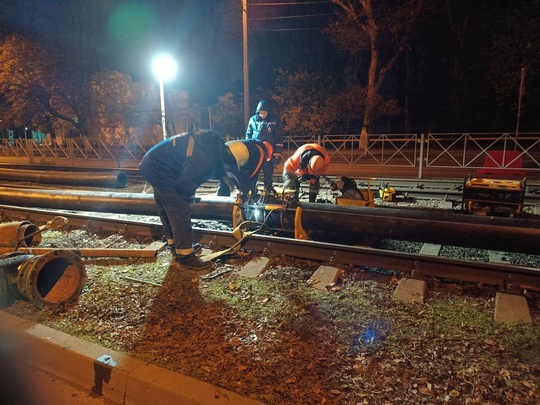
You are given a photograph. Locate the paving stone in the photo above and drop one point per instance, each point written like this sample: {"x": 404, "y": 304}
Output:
{"x": 324, "y": 276}
{"x": 512, "y": 308}
{"x": 446, "y": 205}
{"x": 255, "y": 267}
{"x": 430, "y": 249}
{"x": 410, "y": 291}
{"x": 496, "y": 256}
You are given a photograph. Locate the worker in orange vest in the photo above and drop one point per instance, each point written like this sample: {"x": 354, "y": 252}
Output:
{"x": 308, "y": 163}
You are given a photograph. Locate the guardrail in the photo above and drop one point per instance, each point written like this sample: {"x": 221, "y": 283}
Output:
{"x": 415, "y": 154}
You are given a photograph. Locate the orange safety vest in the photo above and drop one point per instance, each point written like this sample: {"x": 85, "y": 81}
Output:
{"x": 292, "y": 165}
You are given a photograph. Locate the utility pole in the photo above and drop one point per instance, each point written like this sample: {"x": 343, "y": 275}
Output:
{"x": 521, "y": 85}
{"x": 246, "y": 65}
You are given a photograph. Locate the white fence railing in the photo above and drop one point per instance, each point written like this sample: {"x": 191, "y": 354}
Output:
{"x": 416, "y": 152}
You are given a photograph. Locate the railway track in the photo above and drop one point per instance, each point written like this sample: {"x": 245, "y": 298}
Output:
{"x": 185, "y": 333}
{"x": 506, "y": 276}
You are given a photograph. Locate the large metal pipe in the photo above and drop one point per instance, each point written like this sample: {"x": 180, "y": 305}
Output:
{"x": 47, "y": 280}
{"x": 94, "y": 179}
{"x": 445, "y": 228}
{"x": 506, "y": 234}
{"x": 209, "y": 207}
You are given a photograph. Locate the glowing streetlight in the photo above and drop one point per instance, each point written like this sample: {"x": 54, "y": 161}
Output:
{"x": 164, "y": 68}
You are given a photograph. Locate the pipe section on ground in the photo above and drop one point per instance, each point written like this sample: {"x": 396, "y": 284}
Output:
{"x": 19, "y": 234}
{"x": 47, "y": 280}
{"x": 93, "y": 179}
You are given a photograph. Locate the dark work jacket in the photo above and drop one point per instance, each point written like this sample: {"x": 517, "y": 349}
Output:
{"x": 183, "y": 164}
{"x": 269, "y": 129}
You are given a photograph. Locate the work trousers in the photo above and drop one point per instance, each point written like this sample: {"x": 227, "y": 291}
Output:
{"x": 268, "y": 174}
{"x": 175, "y": 214}
{"x": 314, "y": 184}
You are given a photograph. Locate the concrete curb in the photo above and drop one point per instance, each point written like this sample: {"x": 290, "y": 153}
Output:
{"x": 116, "y": 376}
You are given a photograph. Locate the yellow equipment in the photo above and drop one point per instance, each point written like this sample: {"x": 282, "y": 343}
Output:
{"x": 347, "y": 186}
{"x": 386, "y": 193}
{"x": 493, "y": 196}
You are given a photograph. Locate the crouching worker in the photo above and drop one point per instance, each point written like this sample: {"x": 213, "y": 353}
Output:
{"x": 308, "y": 163}
{"x": 175, "y": 168}
{"x": 246, "y": 158}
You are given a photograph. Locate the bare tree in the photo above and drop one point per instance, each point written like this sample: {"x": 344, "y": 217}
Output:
{"x": 381, "y": 32}
{"x": 30, "y": 84}
{"x": 38, "y": 94}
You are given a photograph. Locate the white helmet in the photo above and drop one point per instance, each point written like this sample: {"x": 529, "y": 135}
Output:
{"x": 316, "y": 165}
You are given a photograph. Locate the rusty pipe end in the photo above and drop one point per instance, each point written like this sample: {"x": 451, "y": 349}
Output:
{"x": 53, "y": 278}
{"x": 22, "y": 234}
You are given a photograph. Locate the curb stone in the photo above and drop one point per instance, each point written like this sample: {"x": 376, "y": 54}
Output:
{"x": 114, "y": 375}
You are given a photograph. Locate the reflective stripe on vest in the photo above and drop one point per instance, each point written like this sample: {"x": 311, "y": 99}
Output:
{"x": 190, "y": 145}
{"x": 260, "y": 162}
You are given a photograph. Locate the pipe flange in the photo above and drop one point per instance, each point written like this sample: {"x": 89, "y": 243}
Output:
{"x": 50, "y": 279}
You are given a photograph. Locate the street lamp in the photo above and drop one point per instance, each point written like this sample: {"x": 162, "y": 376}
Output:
{"x": 164, "y": 68}
{"x": 246, "y": 61}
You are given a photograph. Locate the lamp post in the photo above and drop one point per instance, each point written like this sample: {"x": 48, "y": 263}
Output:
{"x": 246, "y": 61}
{"x": 164, "y": 68}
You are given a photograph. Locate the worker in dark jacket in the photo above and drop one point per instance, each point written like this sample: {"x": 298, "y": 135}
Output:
{"x": 175, "y": 168}
{"x": 265, "y": 126}
{"x": 249, "y": 155}
{"x": 309, "y": 162}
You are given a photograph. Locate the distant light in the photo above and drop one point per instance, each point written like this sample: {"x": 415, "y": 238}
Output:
{"x": 164, "y": 67}
{"x": 369, "y": 335}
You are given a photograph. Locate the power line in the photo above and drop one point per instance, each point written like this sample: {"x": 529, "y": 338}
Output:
{"x": 296, "y": 3}
{"x": 286, "y": 29}
{"x": 291, "y": 16}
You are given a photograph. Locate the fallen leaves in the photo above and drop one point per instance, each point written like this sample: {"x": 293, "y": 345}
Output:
{"x": 278, "y": 340}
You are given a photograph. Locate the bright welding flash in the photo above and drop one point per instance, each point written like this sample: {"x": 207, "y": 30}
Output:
{"x": 258, "y": 214}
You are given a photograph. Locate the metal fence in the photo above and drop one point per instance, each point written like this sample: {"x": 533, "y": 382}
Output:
{"x": 416, "y": 155}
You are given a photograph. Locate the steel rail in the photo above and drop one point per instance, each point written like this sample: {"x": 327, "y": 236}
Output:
{"x": 506, "y": 277}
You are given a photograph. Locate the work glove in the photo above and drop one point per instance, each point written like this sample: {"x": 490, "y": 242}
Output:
{"x": 287, "y": 185}
{"x": 231, "y": 182}
{"x": 307, "y": 177}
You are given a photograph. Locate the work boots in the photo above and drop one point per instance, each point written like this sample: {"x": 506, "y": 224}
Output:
{"x": 197, "y": 248}
{"x": 193, "y": 262}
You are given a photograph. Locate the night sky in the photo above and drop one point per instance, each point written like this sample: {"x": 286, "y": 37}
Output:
{"x": 205, "y": 36}
{"x": 452, "y": 73}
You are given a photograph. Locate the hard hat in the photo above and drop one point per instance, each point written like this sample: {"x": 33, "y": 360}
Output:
{"x": 239, "y": 151}
{"x": 316, "y": 165}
